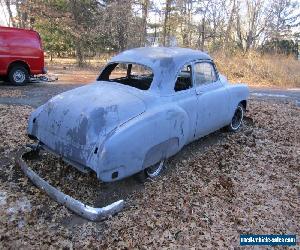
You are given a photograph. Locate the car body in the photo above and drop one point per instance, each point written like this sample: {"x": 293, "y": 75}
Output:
{"x": 123, "y": 126}
{"x": 21, "y": 54}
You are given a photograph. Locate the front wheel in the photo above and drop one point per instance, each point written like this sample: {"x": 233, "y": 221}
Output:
{"x": 237, "y": 119}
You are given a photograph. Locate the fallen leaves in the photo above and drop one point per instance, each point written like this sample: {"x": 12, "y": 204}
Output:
{"x": 10, "y": 91}
{"x": 215, "y": 189}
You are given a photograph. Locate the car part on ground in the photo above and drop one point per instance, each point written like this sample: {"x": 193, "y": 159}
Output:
{"x": 44, "y": 78}
{"x": 88, "y": 212}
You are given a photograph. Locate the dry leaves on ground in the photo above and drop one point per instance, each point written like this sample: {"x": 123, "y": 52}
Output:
{"x": 10, "y": 91}
{"x": 214, "y": 190}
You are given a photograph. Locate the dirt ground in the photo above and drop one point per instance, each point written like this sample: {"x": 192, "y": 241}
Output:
{"x": 215, "y": 189}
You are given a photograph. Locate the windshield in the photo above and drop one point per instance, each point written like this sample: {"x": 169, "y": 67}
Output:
{"x": 131, "y": 74}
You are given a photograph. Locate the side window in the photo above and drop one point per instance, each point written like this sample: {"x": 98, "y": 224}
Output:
{"x": 204, "y": 73}
{"x": 184, "y": 78}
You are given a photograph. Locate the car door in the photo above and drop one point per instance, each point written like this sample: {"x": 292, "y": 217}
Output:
{"x": 212, "y": 98}
{"x": 185, "y": 97}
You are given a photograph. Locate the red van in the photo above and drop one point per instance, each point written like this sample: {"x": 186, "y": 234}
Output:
{"x": 21, "y": 55}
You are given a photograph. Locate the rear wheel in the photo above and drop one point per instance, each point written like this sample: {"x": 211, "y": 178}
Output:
{"x": 155, "y": 170}
{"x": 18, "y": 75}
{"x": 151, "y": 172}
{"x": 237, "y": 119}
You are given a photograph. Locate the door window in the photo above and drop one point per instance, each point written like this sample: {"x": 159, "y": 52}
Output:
{"x": 184, "y": 78}
{"x": 204, "y": 73}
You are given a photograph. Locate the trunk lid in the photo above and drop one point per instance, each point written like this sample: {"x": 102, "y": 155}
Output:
{"x": 73, "y": 123}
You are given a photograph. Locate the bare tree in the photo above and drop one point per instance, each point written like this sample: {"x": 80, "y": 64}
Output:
{"x": 166, "y": 28}
{"x": 87, "y": 27}
{"x": 251, "y": 20}
{"x": 145, "y": 10}
{"x": 233, "y": 12}
{"x": 283, "y": 17}
{"x": 202, "y": 31}
{"x": 8, "y": 4}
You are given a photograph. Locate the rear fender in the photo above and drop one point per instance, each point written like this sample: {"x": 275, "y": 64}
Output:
{"x": 20, "y": 63}
{"x": 143, "y": 141}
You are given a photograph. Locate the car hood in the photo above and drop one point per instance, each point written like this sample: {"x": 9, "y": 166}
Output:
{"x": 73, "y": 124}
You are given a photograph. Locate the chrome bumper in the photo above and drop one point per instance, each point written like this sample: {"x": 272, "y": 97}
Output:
{"x": 88, "y": 212}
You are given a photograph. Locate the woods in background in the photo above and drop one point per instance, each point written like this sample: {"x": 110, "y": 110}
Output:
{"x": 85, "y": 28}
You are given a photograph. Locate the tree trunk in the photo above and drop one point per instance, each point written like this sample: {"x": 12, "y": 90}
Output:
{"x": 11, "y": 18}
{"x": 167, "y": 12}
{"x": 202, "y": 34}
{"x": 190, "y": 7}
{"x": 79, "y": 53}
{"x": 145, "y": 6}
{"x": 228, "y": 29}
{"x": 239, "y": 32}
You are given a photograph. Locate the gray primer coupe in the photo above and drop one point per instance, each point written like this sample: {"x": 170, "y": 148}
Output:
{"x": 144, "y": 107}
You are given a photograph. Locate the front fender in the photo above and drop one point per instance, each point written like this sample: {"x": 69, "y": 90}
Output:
{"x": 144, "y": 140}
{"x": 237, "y": 93}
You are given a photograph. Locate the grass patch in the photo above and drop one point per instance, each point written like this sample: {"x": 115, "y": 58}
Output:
{"x": 257, "y": 69}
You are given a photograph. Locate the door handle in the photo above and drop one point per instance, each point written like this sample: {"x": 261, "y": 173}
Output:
{"x": 199, "y": 92}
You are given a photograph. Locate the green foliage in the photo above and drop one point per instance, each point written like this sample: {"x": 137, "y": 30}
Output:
{"x": 56, "y": 40}
{"x": 287, "y": 47}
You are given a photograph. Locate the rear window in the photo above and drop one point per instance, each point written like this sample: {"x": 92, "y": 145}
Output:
{"x": 131, "y": 74}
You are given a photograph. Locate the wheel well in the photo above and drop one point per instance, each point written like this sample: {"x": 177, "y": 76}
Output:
{"x": 18, "y": 63}
{"x": 244, "y": 103}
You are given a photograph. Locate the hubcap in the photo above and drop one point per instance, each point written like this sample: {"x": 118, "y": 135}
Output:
{"x": 19, "y": 76}
{"x": 155, "y": 170}
{"x": 237, "y": 118}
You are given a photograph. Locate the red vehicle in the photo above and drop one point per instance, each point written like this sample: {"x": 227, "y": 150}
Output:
{"x": 21, "y": 55}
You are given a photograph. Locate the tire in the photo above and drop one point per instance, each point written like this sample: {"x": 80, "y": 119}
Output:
{"x": 237, "y": 119}
{"x": 18, "y": 75}
{"x": 151, "y": 172}
{"x": 155, "y": 170}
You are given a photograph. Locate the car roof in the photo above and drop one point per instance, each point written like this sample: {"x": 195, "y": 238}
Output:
{"x": 160, "y": 53}
{"x": 165, "y": 63}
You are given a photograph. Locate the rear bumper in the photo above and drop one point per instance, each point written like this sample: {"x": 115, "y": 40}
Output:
{"x": 88, "y": 212}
